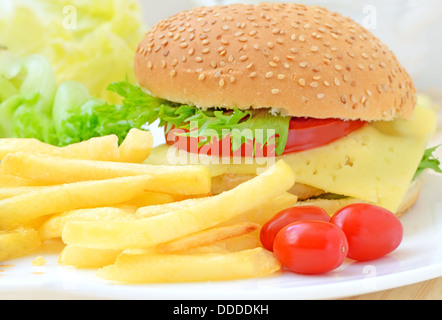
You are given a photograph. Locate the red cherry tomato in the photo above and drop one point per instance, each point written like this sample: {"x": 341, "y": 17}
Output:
{"x": 270, "y": 229}
{"x": 372, "y": 232}
{"x": 304, "y": 134}
{"x": 311, "y": 247}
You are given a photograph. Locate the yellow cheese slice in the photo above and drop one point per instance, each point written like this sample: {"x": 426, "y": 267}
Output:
{"x": 376, "y": 163}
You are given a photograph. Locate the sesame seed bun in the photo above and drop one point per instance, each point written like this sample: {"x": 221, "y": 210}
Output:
{"x": 297, "y": 60}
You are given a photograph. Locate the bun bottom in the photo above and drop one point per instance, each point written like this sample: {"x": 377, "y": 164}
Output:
{"x": 307, "y": 194}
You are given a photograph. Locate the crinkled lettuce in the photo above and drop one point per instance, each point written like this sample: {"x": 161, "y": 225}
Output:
{"x": 92, "y": 42}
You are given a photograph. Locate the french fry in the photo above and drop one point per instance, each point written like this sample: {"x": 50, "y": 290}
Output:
{"x": 149, "y": 199}
{"x": 136, "y": 146}
{"x": 186, "y": 180}
{"x": 101, "y": 148}
{"x": 191, "y": 268}
{"x": 207, "y": 237}
{"x": 86, "y": 258}
{"x": 207, "y": 213}
{"x": 157, "y": 210}
{"x": 53, "y": 227}
{"x": 10, "y": 181}
{"x": 267, "y": 211}
{"x": 80, "y": 195}
{"x": 104, "y": 148}
{"x": 6, "y": 193}
{"x": 34, "y": 146}
{"x": 244, "y": 242}
{"x": 18, "y": 242}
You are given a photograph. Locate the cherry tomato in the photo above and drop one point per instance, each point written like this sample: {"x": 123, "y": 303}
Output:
{"x": 372, "y": 232}
{"x": 304, "y": 134}
{"x": 270, "y": 229}
{"x": 311, "y": 247}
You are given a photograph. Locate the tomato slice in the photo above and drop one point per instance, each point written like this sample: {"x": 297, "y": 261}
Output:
{"x": 304, "y": 134}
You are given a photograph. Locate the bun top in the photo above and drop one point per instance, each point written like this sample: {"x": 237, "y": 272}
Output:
{"x": 297, "y": 60}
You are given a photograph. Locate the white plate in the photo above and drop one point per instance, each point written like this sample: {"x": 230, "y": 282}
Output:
{"x": 419, "y": 258}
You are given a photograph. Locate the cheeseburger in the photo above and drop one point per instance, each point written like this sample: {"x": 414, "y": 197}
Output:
{"x": 285, "y": 81}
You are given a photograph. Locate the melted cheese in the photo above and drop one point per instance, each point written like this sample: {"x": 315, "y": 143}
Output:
{"x": 376, "y": 163}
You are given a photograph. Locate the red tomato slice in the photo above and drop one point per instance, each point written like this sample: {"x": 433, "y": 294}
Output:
{"x": 271, "y": 228}
{"x": 309, "y": 133}
{"x": 304, "y": 134}
{"x": 372, "y": 231}
{"x": 311, "y": 247}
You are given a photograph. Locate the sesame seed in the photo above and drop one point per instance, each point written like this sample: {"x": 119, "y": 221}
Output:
{"x": 222, "y": 83}
{"x": 314, "y": 49}
{"x": 270, "y": 45}
{"x": 243, "y": 58}
{"x": 253, "y": 75}
{"x": 360, "y": 66}
{"x": 250, "y": 66}
{"x": 275, "y": 91}
{"x": 184, "y": 45}
{"x": 222, "y": 64}
{"x": 149, "y": 64}
{"x": 301, "y": 82}
{"x": 205, "y": 51}
{"x": 205, "y": 42}
{"x": 273, "y": 64}
{"x": 281, "y": 76}
{"x": 303, "y": 64}
{"x": 163, "y": 64}
{"x": 232, "y": 79}
{"x": 339, "y": 68}
{"x": 199, "y": 59}
{"x": 213, "y": 64}
{"x": 337, "y": 82}
{"x": 302, "y": 38}
{"x": 269, "y": 75}
{"x": 326, "y": 61}
{"x": 172, "y": 73}
{"x": 320, "y": 96}
{"x": 314, "y": 84}
{"x": 202, "y": 77}
{"x": 293, "y": 37}
{"x": 326, "y": 83}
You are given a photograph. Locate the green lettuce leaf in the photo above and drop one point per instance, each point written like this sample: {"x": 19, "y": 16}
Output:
{"x": 429, "y": 161}
{"x": 204, "y": 124}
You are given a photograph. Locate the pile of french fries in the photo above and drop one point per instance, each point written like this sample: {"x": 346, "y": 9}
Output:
{"x": 133, "y": 222}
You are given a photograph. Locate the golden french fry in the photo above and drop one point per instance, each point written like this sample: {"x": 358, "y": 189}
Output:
{"x": 207, "y": 237}
{"x": 104, "y": 148}
{"x": 86, "y": 258}
{"x": 101, "y": 148}
{"x": 191, "y": 268}
{"x": 244, "y": 242}
{"x": 6, "y": 193}
{"x": 10, "y": 181}
{"x": 207, "y": 213}
{"x": 80, "y": 195}
{"x": 13, "y": 145}
{"x": 266, "y": 211}
{"x": 149, "y": 199}
{"x": 157, "y": 210}
{"x": 53, "y": 227}
{"x": 186, "y": 180}
{"x": 18, "y": 242}
{"x": 136, "y": 146}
